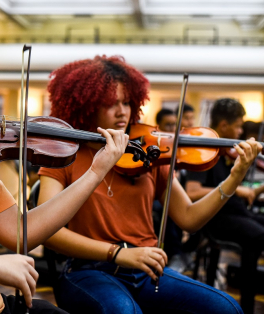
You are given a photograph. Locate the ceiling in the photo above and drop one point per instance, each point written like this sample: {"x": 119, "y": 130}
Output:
{"x": 248, "y": 14}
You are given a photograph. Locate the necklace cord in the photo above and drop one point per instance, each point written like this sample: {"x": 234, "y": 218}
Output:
{"x": 109, "y": 193}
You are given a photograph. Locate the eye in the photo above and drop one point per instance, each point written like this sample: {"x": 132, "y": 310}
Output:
{"x": 126, "y": 103}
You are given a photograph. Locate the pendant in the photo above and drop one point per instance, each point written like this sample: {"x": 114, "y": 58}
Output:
{"x": 110, "y": 192}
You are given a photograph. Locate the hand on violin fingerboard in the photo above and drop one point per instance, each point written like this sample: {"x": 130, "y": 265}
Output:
{"x": 107, "y": 156}
{"x": 247, "y": 152}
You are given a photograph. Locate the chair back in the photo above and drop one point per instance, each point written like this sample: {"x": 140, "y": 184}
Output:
{"x": 221, "y": 244}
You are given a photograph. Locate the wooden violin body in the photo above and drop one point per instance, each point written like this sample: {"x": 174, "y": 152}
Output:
{"x": 199, "y": 148}
{"x": 188, "y": 157}
{"x": 42, "y": 150}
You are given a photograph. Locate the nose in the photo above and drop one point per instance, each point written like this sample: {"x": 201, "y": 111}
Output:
{"x": 120, "y": 108}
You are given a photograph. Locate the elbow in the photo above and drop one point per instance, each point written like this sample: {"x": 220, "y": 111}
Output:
{"x": 193, "y": 194}
{"x": 193, "y": 197}
{"x": 192, "y": 229}
{"x": 193, "y": 190}
{"x": 190, "y": 225}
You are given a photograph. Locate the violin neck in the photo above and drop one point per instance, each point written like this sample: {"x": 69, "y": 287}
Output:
{"x": 196, "y": 141}
{"x": 71, "y": 134}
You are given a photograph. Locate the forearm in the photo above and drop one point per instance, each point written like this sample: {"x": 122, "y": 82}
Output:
{"x": 75, "y": 245}
{"x": 193, "y": 216}
{"x": 200, "y": 212}
{"x": 148, "y": 259}
{"x": 259, "y": 190}
{"x": 196, "y": 191}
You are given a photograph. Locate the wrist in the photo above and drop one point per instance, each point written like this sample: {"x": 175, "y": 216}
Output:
{"x": 223, "y": 194}
{"x": 238, "y": 173}
{"x": 115, "y": 254}
{"x": 228, "y": 187}
{"x": 236, "y": 177}
{"x": 118, "y": 255}
{"x": 96, "y": 176}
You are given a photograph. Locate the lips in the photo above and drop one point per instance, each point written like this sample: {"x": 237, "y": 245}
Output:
{"x": 121, "y": 123}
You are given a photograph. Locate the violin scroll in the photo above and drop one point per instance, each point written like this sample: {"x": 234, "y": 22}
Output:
{"x": 153, "y": 153}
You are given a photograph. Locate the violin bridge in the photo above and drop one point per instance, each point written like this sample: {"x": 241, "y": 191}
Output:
{"x": 3, "y": 125}
{"x": 159, "y": 139}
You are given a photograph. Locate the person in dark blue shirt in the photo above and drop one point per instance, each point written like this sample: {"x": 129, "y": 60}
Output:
{"x": 234, "y": 222}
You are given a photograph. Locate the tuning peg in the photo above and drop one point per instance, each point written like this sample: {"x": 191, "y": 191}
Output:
{"x": 136, "y": 157}
{"x": 153, "y": 152}
{"x": 146, "y": 163}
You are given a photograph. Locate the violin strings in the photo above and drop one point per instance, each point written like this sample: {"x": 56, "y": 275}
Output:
{"x": 63, "y": 131}
{"x": 206, "y": 142}
{"x": 36, "y": 126}
{"x": 73, "y": 133}
{"x": 52, "y": 128}
{"x": 57, "y": 131}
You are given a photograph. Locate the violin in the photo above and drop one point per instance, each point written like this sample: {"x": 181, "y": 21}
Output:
{"x": 199, "y": 148}
{"x": 53, "y": 143}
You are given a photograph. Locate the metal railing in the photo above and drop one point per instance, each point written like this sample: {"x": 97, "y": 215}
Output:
{"x": 165, "y": 40}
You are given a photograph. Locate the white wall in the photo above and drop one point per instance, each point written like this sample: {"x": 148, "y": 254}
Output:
{"x": 154, "y": 58}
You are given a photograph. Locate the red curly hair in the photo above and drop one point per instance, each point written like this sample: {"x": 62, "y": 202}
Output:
{"x": 78, "y": 89}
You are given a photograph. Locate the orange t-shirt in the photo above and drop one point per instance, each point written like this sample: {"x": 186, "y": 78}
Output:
{"x": 7, "y": 199}
{"x": 127, "y": 216}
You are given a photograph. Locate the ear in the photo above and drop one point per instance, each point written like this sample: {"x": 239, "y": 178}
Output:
{"x": 222, "y": 126}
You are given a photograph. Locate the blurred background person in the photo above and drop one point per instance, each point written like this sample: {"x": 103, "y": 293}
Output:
{"x": 166, "y": 120}
{"x": 179, "y": 260}
{"x": 234, "y": 222}
{"x": 188, "y": 116}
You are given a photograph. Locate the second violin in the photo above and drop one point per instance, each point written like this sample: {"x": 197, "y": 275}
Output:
{"x": 199, "y": 148}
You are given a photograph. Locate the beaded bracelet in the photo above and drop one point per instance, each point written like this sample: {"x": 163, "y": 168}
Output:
{"x": 223, "y": 195}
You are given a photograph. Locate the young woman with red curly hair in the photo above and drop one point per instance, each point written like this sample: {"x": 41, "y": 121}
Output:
{"x": 110, "y": 242}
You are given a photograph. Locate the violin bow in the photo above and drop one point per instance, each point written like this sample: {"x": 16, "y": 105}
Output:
{"x": 170, "y": 177}
{"x": 22, "y": 194}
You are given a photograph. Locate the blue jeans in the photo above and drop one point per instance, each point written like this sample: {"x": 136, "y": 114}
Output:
{"x": 93, "y": 288}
